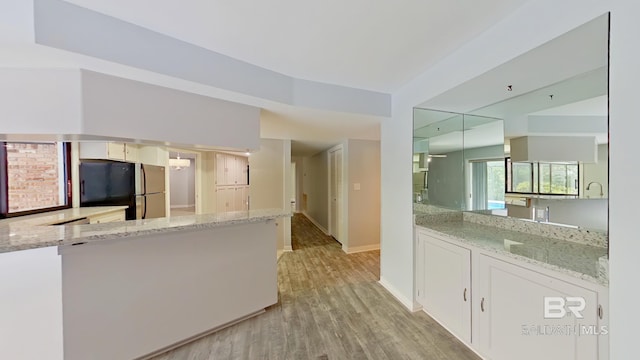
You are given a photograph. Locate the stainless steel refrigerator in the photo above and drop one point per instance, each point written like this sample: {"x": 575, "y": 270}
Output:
{"x": 150, "y": 192}
{"x": 139, "y": 186}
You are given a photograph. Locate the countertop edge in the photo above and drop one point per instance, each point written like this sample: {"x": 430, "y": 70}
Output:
{"x": 133, "y": 228}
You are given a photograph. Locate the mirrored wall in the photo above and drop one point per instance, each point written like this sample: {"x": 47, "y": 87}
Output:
{"x": 552, "y": 140}
{"x": 458, "y": 160}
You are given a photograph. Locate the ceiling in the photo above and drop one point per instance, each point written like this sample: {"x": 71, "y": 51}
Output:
{"x": 313, "y": 130}
{"x": 372, "y": 45}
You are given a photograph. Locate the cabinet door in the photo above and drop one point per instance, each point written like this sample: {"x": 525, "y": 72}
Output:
{"x": 447, "y": 284}
{"x": 224, "y": 198}
{"x": 221, "y": 169}
{"x": 231, "y": 168}
{"x": 241, "y": 170}
{"x": 513, "y": 324}
{"x": 131, "y": 152}
{"x": 116, "y": 151}
{"x": 152, "y": 155}
{"x": 237, "y": 199}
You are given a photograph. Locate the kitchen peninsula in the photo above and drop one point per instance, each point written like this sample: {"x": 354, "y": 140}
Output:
{"x": 128, "y": 289}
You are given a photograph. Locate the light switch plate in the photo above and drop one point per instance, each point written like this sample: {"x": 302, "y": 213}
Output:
{"x": 540, "y": 214}
{"x": 356, "y": 186}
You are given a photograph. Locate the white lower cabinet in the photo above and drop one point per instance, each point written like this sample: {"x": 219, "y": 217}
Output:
{"x": 444, "y": 289}
{"x": 497, "y": 307}
{"x": 510, "y": 308}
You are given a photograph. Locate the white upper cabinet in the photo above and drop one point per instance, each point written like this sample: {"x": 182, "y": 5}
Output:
{"x": 109, "y": 151}
{"x": 231, "y": 170}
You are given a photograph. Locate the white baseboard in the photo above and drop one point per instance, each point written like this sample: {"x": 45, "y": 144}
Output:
{"x": 287, "y": 248}
{"x": 408, "y": 303}
{"x": 363, "y": 248}
{"x": 182, "y": 206}
{"x": 325, "y": 231}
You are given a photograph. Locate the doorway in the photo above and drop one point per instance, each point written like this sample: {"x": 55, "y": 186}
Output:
{"x": 182, "y": 181}
{"x": 336, "y": 193}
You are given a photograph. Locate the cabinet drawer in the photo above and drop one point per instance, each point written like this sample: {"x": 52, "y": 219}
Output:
{"x": 108, "y": 217}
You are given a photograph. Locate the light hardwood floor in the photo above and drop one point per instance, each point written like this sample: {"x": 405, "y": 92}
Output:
{"x": 330, "y": 307}
{"x": 183, "y": 211}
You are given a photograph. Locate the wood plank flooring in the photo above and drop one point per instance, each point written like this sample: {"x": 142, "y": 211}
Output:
{"x": 330, "y": 307}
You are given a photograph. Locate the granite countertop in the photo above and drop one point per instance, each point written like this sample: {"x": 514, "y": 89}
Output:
{"x": 58, "y": 216}
{"x": 571, "y": 258}
{"x": 29, "y": 233}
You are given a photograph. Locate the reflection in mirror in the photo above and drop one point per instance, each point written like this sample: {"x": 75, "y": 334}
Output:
{"x": 554, "y": 104}
{"x": 484, "y": 163}
{"x": 458, "y": 160}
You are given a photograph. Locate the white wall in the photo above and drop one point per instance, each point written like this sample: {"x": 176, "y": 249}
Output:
{"x": 57, "y": 93}
{"x": 362, "y": 164}
{"x": 267, "y": 180}
{"x": 586, "y": 213}
{"x": 530, "y": 26}
{"x": 596, "y": 172}
{"x": 183, "y": 186}
{"x": 31, "y": 305}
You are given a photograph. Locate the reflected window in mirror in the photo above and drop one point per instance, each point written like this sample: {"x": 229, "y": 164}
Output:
{"x": 487, "y": 179}
{"x": 538, "y": 178}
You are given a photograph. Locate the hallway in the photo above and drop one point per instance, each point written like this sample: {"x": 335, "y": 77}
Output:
{"x": 330, "y": 307}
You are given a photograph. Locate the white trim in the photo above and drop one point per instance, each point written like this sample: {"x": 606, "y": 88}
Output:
{"x": 287, "y": 248}
{"x": 322, "y": 228}
{"x": 182, "y": 206}
{"x": 408, "y": 303}
{"x": 363, "y": 248}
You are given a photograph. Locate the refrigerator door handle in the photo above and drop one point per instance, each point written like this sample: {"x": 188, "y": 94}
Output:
{"x": 82, "y": 187}
{"x": 144, "y": 207}
{"x": 144, "y": 181}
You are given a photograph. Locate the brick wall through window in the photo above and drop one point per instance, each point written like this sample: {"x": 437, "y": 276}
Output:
{"x": 34, "y": 176}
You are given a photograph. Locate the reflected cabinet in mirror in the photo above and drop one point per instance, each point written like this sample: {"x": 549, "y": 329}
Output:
{"x": 528, "y": 139}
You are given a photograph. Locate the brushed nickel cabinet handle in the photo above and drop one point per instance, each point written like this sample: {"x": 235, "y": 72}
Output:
{"x": 482, "y": 304}
{"x": 464, "y": 294}
{"x": 600, "y": 312}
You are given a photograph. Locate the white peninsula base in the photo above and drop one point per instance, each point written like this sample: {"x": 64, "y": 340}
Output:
{"x": 131, "y": 297}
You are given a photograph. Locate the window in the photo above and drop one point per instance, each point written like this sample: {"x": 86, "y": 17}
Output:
{"x": 542, "y": 178}
{"x": 35, "y": 177}
{"x": 487, "y": 184}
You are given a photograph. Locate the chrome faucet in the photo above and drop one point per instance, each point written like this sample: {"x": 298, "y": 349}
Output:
{"x": 595, "y": 182}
